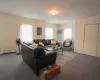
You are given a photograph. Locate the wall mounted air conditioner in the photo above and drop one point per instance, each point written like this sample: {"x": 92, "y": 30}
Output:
{"x": 60, "y": 31}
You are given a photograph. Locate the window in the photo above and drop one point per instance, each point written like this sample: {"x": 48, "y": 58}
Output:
{"x": 26, "y": 33}
{"x": 67, "y": 33}
{"x": 48, "y": 33}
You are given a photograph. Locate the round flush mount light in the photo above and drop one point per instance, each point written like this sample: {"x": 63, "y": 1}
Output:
{"x": 53, "y": 12}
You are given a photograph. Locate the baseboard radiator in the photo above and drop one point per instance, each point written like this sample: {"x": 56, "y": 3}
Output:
{"x": 9, "y": 51}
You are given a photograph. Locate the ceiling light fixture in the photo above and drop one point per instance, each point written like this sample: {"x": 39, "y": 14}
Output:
{"x": 53, "y": 12}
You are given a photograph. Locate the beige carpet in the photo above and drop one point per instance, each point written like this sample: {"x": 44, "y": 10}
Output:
{"x": 65, "y": 58}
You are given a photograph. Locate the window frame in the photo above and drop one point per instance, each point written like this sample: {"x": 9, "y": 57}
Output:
{"x": 49, "y": 34}
{"x": 65, "y": 33}
{"x": 23, "y": 32}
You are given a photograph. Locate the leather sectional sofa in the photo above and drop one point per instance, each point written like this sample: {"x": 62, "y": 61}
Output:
{"x": 36, "y": 58}
{"x": 45, "y": 41}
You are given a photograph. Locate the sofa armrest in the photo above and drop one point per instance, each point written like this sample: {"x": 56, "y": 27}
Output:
{"x": 50, "y": 58}
{"x": 46, "y": 60}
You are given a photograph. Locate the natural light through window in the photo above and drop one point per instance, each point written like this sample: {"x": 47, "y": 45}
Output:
{"x": 26, "y": 33}
{"x": 67, "y": 33}
{"x": 48, "y": 33}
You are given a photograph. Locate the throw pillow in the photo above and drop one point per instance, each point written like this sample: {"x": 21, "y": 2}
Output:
{"x": 34, "y": 44}
{"x": 53, "y": 42}
{"x": 67, "y": 43}
{"x": 40, "y": 43}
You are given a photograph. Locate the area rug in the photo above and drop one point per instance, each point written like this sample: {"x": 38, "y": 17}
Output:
{"x": 65, "y": 58}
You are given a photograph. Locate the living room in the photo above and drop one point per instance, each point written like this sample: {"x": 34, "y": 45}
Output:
{"x": 57, "y": 20}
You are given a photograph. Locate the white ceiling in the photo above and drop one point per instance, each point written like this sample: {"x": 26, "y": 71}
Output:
{"x": 38, "y": 9}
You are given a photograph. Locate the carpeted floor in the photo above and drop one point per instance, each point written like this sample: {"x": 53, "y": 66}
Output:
{"x": 13, "y": 68}
{"x": 82, "y": 67}
{"x": 65, "y": 58}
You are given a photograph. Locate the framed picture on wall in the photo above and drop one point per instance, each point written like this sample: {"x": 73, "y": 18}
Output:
{"x": 39, "y": 31}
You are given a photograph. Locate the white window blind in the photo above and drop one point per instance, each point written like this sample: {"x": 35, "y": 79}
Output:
{"x": 67, "y": 33}
{"x": 26, "y": 33}
{"x": 48, "y": 33}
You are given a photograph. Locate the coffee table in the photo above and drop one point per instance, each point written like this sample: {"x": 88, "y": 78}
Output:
{"x": 56, "y": 49}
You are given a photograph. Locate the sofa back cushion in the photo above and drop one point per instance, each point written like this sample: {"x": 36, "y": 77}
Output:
{"x": 48, "y": 42}
{"x": 29, "y": 51}
{"x": 44, "y": 42}
{"x": 37, "y": 41}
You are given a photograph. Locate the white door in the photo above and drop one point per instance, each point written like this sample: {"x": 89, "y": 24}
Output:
{"x": 90, "y": 39}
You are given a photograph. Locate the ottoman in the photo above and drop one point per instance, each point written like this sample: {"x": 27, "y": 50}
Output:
{"x": 49, "y": 72}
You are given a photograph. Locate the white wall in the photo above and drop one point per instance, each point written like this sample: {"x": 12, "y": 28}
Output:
{"x": 79, "y": 31}
{"x": 10, "y": 25}
{"x": 9, "y": 29}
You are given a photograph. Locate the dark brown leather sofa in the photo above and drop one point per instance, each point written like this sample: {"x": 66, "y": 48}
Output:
{"x": 36, "y": 58}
